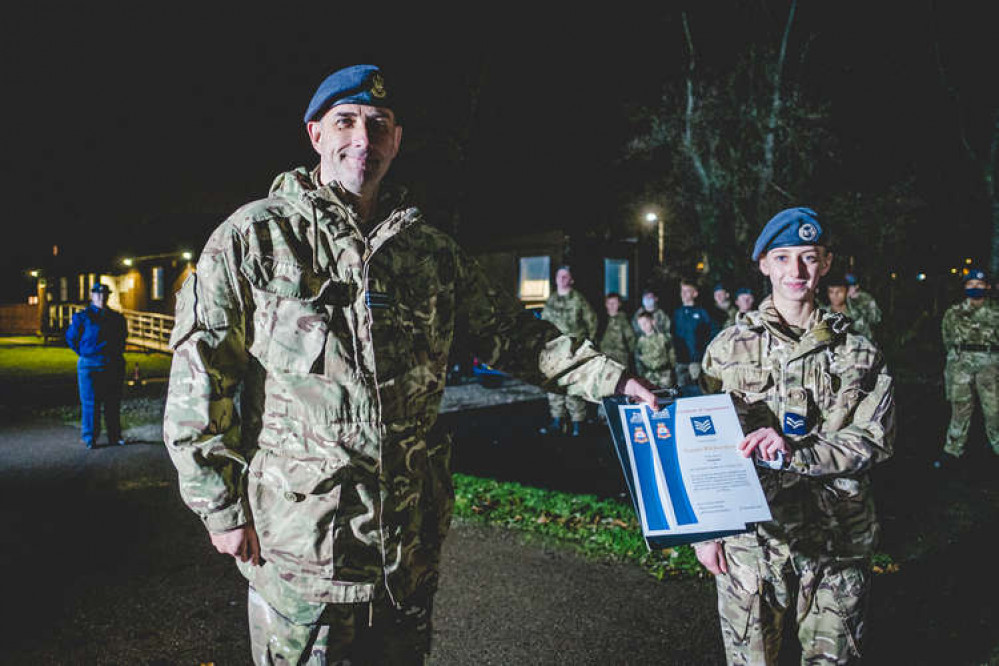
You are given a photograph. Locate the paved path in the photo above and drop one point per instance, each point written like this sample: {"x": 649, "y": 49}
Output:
{"x": 106, "y": 566}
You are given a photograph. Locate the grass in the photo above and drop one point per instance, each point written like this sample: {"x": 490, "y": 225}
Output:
{"x": 24, "y": 358}
{"x": 600, "y": 528}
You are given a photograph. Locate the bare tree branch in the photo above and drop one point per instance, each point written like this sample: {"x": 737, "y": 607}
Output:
{"x": 767, "y": 167}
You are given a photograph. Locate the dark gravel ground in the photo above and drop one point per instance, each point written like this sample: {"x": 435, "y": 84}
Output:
{"x": 104, "y": 565}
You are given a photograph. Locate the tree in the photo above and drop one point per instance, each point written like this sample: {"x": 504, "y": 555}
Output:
{"x": 744, "y": 141}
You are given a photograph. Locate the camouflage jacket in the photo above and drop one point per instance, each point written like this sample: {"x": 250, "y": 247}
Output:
{"x": 965, "y": 324}
{"x": 571, "y": 314}
{"x": 660, "y": 317}
{"x": 309, "y": 365}
{"x": 654, "y": 353}
{"x": 866, "y": 308}
{"x": 828, "y": 391}
{"x": 618, "y": 339}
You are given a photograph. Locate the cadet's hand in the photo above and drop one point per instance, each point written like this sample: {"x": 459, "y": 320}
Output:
{"x": 695, "y": 371}
{"x": 240, "y": 543}
{"x": 641, "y": 390}
{"x": 767, "y": 440}
{"x": 712, "y": 556}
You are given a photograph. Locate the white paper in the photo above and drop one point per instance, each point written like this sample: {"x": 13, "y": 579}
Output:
{"x": 688, "y": 475}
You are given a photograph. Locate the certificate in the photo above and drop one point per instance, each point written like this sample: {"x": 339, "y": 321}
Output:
{"x": 687, "y": 479}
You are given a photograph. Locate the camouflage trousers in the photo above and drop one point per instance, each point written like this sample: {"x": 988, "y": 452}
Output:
{"x": 559, "y": 404}
{"x": 765, "y": 581}
{"x": 342, "y": 634}
{"x": 966, "y": 374}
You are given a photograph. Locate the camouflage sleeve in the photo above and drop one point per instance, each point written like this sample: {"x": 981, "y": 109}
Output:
{"x": 201, "y": 428}
{"x": 502, "y": 333}
{"x": 710, "y": 380}
{"x": 630, "y": 339}
{"x": 590, "y": 319}
{"x": 948, "y": 329}
{"x": 858, "y": 430}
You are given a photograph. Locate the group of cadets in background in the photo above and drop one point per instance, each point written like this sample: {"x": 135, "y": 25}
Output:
{"x": 667, "y": 350}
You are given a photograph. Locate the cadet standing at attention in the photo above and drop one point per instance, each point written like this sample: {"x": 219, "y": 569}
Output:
{"x": 817, "y": 403}
{"x": 97, "y": 334}
{"x": 618, "y": 338}
{"x": 836, "y": 293}
{"x": 574, "y": 317}
{"x": 862, "y": 302}
{"x": 310, "y": 351}
{"x": 971, "y": 338}
{"x": 654, "y": 356}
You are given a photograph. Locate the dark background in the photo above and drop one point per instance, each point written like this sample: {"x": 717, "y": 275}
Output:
{"x": 132, "y": 129}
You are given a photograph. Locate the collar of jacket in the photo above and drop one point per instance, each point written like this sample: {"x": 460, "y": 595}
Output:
{"x": 823, "y": 329}
{"x": 315, "y": 201}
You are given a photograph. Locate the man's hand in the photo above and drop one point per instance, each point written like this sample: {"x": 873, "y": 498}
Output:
{"x": 767, "y": 440}
{"x": 695, "y": 370}
{"x": 641, "y": 390}
{"x": 712, "y": 556}
{"x": 240, "y": 543}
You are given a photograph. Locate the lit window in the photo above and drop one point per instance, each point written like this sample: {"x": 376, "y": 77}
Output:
{"x": 63, "y": 289}
{"x": 616, "y": 277}
{"x": 534, "y": 283}
{"x": 83, "y": 287}
{"x": 157, "y": 283}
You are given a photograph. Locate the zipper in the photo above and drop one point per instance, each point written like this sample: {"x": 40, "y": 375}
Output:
{"x": 369, "y": 254}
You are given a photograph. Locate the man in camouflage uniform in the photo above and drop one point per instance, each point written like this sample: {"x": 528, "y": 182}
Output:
{"x": 311, "y": 347}
{"x": 971, "y": 337}
{"x": 817, "y": 404}
{"x": 618, "y": 338}
{"x": 574, "y": 317}
{"x": 862, "y": 303}
{"x": 654, "y": 357}
{"x": 836, "y": 292}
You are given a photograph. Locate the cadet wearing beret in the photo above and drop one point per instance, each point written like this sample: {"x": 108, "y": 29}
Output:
{"x": 970, "y": 332}
{"x": 97, "y": 334}
{"x": 817, "y": 403}
{"x": 330, "y": 308}
{"x": 744, "y": 301}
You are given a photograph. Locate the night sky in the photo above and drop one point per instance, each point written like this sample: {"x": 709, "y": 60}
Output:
{"x": 134, "y": 131}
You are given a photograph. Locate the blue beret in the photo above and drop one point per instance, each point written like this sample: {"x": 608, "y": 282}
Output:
{"x": 850, "y": 279}
{"x": 100, "y": 287}
{"x": 720, "y": 287}
{"x": 358, "y": 84}
{"x": 976, "y": 274}
{"x": 794, "y": 226}
{"x": 743, "y": 290}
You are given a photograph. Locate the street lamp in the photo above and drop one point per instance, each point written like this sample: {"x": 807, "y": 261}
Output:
{"x": 652, "y": 218}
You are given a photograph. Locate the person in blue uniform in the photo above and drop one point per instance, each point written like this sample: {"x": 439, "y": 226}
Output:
{"x": 693, "y": 329}
{"x": 97, "y": 334}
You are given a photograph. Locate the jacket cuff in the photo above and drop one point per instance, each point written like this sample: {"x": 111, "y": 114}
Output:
{"x": 225, "y": 519}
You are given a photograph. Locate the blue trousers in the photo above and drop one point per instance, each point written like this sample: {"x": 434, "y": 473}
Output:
{"x": 100, "y": 391}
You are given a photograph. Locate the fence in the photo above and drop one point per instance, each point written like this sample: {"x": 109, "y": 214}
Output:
{"x": 145, "y": 329}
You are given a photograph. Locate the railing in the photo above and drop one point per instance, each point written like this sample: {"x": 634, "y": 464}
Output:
{"x": 145, "y": 329}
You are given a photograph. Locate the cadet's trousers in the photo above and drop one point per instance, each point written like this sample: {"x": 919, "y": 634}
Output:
{"x": 765, "y": 581}
{"x": 968, "y": 373}
{"x": 559, "y": 404}
{"x": 344, "y": 634}
{"x": 100, "y": 387}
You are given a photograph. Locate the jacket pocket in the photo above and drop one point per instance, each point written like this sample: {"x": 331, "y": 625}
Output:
{"x": 296, "y": 507}
{"x": 290, "y": 321}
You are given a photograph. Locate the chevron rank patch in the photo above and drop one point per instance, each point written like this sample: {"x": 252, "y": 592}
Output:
{"x": 794, "y": 424}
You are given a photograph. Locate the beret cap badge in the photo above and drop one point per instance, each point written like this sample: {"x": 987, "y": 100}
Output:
{"x": 378, "y": 86}
{"x": 807, "y": 232}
